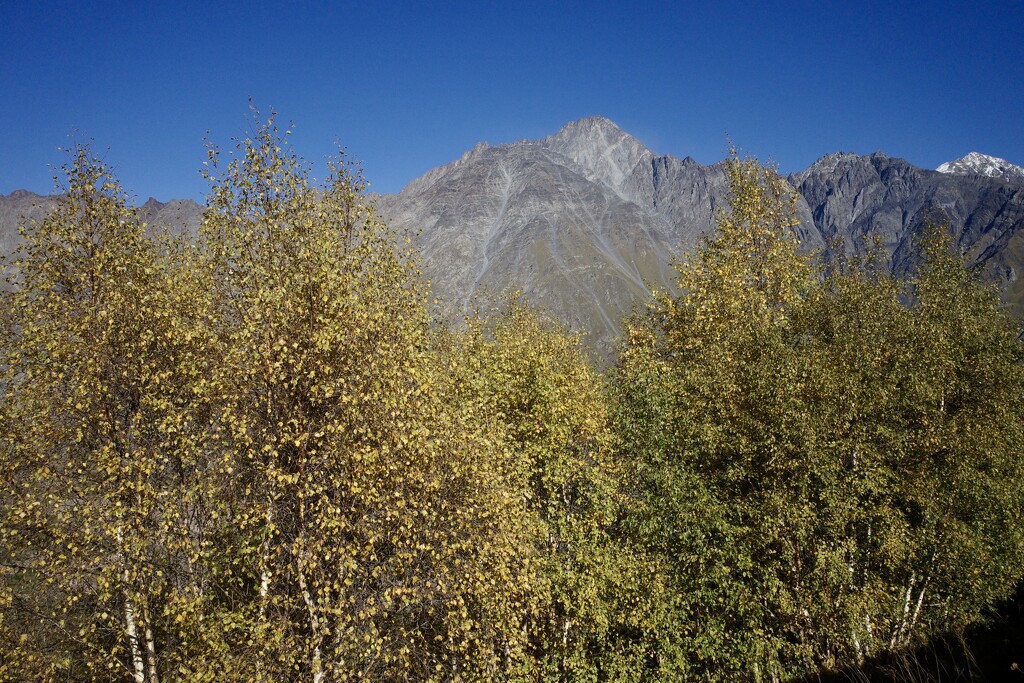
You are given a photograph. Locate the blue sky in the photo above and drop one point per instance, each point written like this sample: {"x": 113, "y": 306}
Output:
{"x": 408, "y": 86}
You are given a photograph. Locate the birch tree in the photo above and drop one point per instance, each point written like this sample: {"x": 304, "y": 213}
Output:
{"x": 375, "y": 535}
{"x": 828, "y": 459}
{"x": 535, "y": 391}
{"x": 98, "y": 450}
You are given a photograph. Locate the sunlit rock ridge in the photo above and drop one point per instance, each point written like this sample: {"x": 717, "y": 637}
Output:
{"x": 586, "y": 221}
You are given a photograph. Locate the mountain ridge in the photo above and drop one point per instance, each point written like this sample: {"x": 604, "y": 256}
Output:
{"x": 641, "y": 211}
{"x": 587, "y": 220}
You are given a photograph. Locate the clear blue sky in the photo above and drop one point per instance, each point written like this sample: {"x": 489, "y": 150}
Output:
{"x": 409, "y": 86}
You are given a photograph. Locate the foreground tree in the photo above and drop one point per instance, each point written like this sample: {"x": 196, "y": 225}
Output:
{"x": 809, "y": 452}
{"x": 250, "y": 457}
{"x": 99, "y": 454}
{"x": 235, "y": 459}
{"x": 372, "y": 534}
{"x": 533, "y": 389}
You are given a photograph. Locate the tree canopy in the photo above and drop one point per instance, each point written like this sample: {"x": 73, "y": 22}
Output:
{"x": 252, "y": 454}
{"x": 829, "y": 459}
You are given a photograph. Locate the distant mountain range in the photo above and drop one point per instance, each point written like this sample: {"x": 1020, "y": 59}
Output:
{"x": 22, "y": 207}
{"x": 586, "y": 221}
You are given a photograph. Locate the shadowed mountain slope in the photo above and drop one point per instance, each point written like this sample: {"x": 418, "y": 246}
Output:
{"x": 860, "y": 198}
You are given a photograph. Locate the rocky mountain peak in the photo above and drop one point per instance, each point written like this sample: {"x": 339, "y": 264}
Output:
{"x": 825, "y": 165}
{"x": 976, "y": 163}
{"x": 586, "y": 221}
{"x": 19, "y": 195}
{"x": 476, "y": 150}
{"x": 602, "y": 150}
{"x": 589, "y": 127}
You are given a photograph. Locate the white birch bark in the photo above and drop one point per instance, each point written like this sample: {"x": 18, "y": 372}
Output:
{"x": 150, "y": 646}
{"x": 264, "y": 587}
{"x": 897, "y": 635}
{"x": 314, "y": 622}
{"x": 314, "y": 617}
{"x": 917, "y": 612}
{"x": 138, "y": 666}
{"x": 920, "y": 599}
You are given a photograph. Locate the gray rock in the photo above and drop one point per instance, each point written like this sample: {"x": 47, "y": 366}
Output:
{"x": 21, "y": 208}
{"x": 587, "y": 221}
{"x": 860, "y": 198}
{"x": 584, "y": 222}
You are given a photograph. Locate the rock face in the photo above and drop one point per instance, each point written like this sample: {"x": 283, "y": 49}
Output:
{"x": 585, "y": 222}
{"x": 860, "y": 198}
{"x": 16, "y": 209}
{"x": 976, "y": 163}
{"x": 21, "y": 207}
{"x": 526, "y": 216}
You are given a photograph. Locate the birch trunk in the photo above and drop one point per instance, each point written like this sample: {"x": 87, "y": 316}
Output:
{"x": 138, "y": 667}
{"x": 917, "y": 612}
{"x": 920, "y": 602}
{"x": 314, "y": 622}
{"x": 897, "y": 635}
{"x": 264, "y": 593}
{"x": 314, "y": 618}
{"x": 150, "y": 645}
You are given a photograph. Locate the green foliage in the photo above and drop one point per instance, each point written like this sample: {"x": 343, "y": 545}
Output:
{"x": 249, "y": 455}
{"x": 531, "y": 382}
{"x": 829, "y": 472}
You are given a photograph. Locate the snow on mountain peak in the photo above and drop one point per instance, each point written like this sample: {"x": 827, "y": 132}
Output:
{"x": 976, "y": 163}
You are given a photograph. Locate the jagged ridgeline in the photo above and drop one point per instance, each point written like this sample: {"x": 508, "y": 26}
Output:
{"x": 587, "y": 221}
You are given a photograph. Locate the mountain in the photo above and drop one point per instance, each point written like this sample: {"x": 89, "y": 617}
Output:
{"x": 860, "y": 198}
{"x": 976, "y": 163}
{"x": 22, "y": 207}
{"x": 585, "y": 221}
{"x": 528, "y": 216}
{"x": 16, "y": 209}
